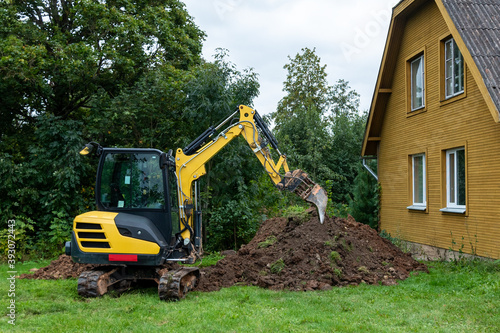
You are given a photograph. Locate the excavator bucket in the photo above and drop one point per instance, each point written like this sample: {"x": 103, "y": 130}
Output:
{"x": 299, "y": 183}
{"x": 319, "y": 198}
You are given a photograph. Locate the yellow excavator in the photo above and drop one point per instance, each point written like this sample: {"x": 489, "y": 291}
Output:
{"x": 148, "y": 213}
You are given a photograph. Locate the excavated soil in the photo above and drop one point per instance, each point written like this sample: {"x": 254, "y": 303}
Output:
{"x": 305, "y": 255}
{"x": 295, "y": 254}
{"x": 62, "y": 268}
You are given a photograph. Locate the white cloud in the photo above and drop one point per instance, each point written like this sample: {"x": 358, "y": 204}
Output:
{"x": 349, "y": 38}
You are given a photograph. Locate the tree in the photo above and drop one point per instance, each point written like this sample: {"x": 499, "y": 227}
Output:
{"x": 70, "y": 71}
{"x": 365, "y": 202}
{"x": 301, "y": 117}
{"x": 231, "y": 215}
{"x": 55, "y": 55}
{"x": 346, "y": 125}
{"x": 320, "y": 126}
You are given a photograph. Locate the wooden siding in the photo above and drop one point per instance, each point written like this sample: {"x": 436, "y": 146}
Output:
{"x": 465, "y": 122}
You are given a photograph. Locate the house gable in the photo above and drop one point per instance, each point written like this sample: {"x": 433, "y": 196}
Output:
{"x": 475, "y": 26}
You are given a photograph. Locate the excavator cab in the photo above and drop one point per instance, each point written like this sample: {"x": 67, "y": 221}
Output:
{"x": 136, "y": 189}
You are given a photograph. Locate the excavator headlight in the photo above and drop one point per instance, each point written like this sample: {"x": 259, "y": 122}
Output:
{"x": 67, "y": 248}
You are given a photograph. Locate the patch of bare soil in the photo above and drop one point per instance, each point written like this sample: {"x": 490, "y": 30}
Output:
{"x": 305, "y": 255}
{"x": 294, "y": 254}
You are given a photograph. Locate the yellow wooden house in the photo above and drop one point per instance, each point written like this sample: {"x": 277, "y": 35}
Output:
{"x": 434, "y": 125}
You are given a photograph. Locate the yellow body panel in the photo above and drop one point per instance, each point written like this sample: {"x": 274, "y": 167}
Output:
{"x": 99, "y": 227}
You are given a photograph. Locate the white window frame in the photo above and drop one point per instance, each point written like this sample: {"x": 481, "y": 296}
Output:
{"x": 453, "y": 69}
{"x": 416, "y": 77}
{"x": 452, "y": 182}
{"x": 417, "y": 205}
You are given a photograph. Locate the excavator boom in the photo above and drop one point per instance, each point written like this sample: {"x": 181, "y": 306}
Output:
{"x": 191, "y": 161}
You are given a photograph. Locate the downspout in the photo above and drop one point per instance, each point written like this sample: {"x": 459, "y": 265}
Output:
{"x": 368, "y": 168}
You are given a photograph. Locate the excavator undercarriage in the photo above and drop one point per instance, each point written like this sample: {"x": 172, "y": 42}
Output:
{"x": 173, "y": 284}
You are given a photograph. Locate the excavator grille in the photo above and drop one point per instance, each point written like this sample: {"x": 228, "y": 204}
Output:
{"x": 90, "y": 237}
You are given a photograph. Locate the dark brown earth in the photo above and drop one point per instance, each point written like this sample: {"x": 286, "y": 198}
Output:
{"x": 62, "y": 268}
{"x": 312, "y": 256}
{"x": 295, "y": 253}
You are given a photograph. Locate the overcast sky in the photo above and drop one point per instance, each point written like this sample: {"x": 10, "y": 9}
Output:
{"x": 349, "y": 37}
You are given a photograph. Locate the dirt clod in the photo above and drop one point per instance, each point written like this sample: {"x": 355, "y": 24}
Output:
{"x": 299, "y": 254}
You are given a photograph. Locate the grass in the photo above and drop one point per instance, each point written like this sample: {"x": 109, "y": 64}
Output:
{"x": 277, "y": 266}
{"x": 299, "y": 213}
{"x": 268, "y": 242}
{"x": 453, "y": 297}
{"x": 335, "y": 257}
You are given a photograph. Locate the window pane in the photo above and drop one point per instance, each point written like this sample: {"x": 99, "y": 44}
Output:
{"x": 461, "y": 177}
{"x": 454, "y": 69}
{"x": 451, "y": 177}
{"x": 417, "y": 83}
{"x": 418, "y": 179}
{"x": 458, "y": 71}
{"x": 132, "y": 181}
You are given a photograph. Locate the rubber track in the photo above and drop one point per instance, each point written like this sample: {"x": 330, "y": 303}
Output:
{"x": 88, "y": 283}
{"x": 175, "y": 285}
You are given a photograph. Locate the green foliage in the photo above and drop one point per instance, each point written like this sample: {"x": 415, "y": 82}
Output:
{"x": 300, "y": 119}
{"x": 48, "y": 188}
{"x": 272, "y": 200}
{"x": 298, "y": 213}
{"x": 335, "y": 257}
{"x": 232, "y": 224}
{"x": 365, "y": 202}
{"x": 73, "y": 71}
{"x": 59, "y": 53}
{"x": 320, "y": 128}
{"x": 396, "y": 241}
{"x": 277, "y": 266}
{"x": 268, "y": 242}
{"x": 20, "y": 239}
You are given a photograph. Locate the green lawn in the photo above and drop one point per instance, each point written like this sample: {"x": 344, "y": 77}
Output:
{"x": 452, "y": 298}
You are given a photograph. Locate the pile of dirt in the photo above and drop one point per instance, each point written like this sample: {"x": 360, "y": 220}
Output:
{"x": 62, "y": 268}
{"x": 301, "y": 254}
{"x": 295, "y": 253}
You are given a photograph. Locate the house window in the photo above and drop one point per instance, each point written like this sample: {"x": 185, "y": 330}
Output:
{"x": 418, "y": 182}
{"x": 418, "y": 179}
{"x": 453, "y": 68}
{"x": 417, "y": 83}
{"x": 455, "y": 180}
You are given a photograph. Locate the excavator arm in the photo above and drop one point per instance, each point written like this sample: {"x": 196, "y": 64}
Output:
{"x": 190, "y": 164}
